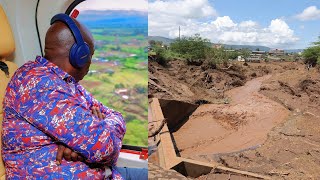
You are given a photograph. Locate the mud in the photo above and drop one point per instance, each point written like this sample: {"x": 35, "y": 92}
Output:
{"x": 156, "y": 172}
{"x": 262, "y": 118}
{"x": 292, "y": 148}
{"x": 225, "y": 128}
{"x": 193, "y": 83}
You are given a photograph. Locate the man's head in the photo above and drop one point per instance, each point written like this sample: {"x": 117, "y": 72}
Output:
{"x": 58, "y": 42}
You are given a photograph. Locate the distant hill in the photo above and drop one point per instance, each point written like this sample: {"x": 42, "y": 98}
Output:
{"x": 167, "y": 41}
{"x": 293, "y": 50}
{"x": 250, "y": 47}
{"x": 114, "y": 18}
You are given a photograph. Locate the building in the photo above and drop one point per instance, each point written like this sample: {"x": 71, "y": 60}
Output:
{"x": 276, "y": 52}
{"x": 259, "y": 52}
{"x": 256, "y": 56}
{"x": 124, "y": 93}
{"x": 240, "y": 59}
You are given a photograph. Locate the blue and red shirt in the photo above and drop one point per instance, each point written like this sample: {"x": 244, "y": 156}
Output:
{"x": 45, "y": 106}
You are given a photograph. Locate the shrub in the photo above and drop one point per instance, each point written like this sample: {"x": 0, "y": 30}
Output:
{"x": 192, "y": 48}
{"x": 312, "y": 54}
{"x": 217, "y": 56}
{"x": 160, "y": 55}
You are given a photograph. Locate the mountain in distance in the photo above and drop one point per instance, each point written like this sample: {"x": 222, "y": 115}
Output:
{"x": 164, "y": 40}
{"x": 293, "y": 50}
{"x": 250, "y": 47}
{"x": 167, "y": 41}
{"x": 114, "y": 18}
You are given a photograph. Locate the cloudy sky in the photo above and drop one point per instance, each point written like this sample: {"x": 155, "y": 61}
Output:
{"x": 287, "y": 24}
{"x": 138, "y": 5}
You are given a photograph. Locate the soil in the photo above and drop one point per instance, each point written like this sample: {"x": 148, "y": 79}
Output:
{"x": 201, "y": 84}
{"x": 261, "y": 118}
{"x": 156, "y": 172}
{"x": 248, "y": 119}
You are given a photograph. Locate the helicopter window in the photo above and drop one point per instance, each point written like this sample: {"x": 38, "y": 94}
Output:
{"x": 118, "y": 76}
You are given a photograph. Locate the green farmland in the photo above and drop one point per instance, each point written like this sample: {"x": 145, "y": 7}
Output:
{"x": 118, "y": 76}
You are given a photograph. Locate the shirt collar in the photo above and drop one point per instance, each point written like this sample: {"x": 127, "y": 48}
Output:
{"x": 61, "y": 73}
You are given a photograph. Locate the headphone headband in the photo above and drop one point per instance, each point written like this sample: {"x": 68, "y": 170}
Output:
{"x": 71, "y": 24}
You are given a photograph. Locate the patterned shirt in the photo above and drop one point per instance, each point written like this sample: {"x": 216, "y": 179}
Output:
{"x": 44, "y": 106}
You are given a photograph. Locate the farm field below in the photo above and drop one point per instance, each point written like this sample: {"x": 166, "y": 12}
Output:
{"x": 118, "y": 74}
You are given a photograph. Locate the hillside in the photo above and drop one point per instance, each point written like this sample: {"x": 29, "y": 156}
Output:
{"x": 166, "y": 41}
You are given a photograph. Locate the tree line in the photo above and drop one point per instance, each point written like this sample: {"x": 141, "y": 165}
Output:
{"x": 195, "y": 50}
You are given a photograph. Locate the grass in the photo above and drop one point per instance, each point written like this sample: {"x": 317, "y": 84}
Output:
{"x": 103, "y": 38}
{"x": 136, "y": 128}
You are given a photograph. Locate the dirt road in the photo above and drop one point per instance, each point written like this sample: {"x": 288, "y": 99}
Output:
{"x": 225, "y": 128}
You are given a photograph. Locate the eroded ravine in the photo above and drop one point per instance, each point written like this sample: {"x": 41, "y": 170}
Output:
{"x": 225, "y": 128}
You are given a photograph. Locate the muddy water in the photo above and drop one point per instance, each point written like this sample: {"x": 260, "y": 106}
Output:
{"x": 242, "y": 124}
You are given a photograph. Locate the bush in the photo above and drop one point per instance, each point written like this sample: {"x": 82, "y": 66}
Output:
{"x": 191, "y": 48}
{"x": 312, "y": 54}
{"x": 160, "y": 55}
{"x": 217, "y": 56}
{"x": 163, "y": 56}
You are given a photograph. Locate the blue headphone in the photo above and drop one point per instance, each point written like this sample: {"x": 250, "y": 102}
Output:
{"x": 79, "y": 52}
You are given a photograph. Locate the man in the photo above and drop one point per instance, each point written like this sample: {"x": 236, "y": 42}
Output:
{"x": 50, "y": 116}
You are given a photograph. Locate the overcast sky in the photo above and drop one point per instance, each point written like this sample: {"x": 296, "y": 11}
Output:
{"x": 139, "y": 5}
{"x": 284, "y": 24}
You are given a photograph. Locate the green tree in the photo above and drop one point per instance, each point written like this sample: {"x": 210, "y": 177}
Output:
{"x": 193, "y": 48}
{"x": 232, "y": 54}
{"x": 217, "y": 56}
{"x": 312, "y": 54}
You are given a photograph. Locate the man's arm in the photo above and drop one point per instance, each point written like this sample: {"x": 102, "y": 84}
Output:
{"x": 66, "y": 118}
{"x": 68, "y": 154}
{"x": 94, "y": 103}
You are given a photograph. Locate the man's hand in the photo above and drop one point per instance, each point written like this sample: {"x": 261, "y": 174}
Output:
{"x": 67, "y": 154}
{"x": 96, "y": 111}
{"x": 70, "y": 155}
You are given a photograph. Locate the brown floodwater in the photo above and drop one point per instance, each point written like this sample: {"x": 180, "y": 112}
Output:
{"x": 224, "y": 128}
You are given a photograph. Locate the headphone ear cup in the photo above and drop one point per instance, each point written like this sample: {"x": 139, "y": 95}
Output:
{"x": 72, "y": 55}
{"x": 79, "y": 55}
{"x": 82, "y": 55}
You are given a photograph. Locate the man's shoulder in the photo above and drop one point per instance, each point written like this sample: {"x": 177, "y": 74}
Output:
{"x": 31, "y": 68}
{"x": 32, "y": 75}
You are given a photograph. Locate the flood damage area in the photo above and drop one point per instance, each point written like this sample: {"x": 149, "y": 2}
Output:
{"x": 227, "y": 128}
{"x": 265, "y": 128}
{"x": 197, "y": 130}
{"x": 166, "y": 144}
